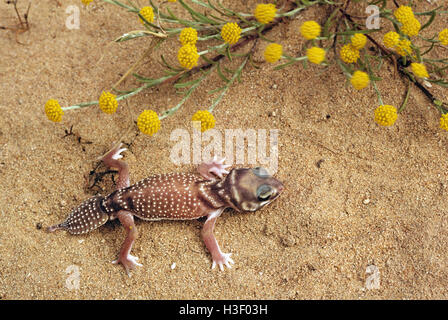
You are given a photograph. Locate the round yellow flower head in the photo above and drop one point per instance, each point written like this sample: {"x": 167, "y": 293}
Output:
{"x": 273, "y": 52}
{"x": 403, "y": 47}
{"x": 108, "y": 102}
{"x": 188, "y": 36}
{"x": 147, "y": 13}
{"x": 310, "y": 30}
{"x": 315, "y": 55}
{"x": 349, "y": 53}
{"x": 359, "y": 80}
{"x": 231, "y": 32}
{"x": 188, "y": 56}
{"x": 419, "y": 70}
{"x": 386, "y": 115}
{"x": 86, "y": 2}
{"x": 206, "y": 118}
{"x": 265, "y": 13}
{"x": 444, "y": 121}
{"x": 53, "y": 110}
{"x": 148, "y": 122}
{"x": 358, "y": 41}
{"x": 404, "y": 14}
{"x": 391, "y": 39}
{"x": 171, "y": 0}
{"x": 411, "y": 27}
{"x": 443, "y": 37}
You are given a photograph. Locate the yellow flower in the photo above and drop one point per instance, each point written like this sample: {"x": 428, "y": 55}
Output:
{"x": 171, "y": 0}
{"x": 358, "y": 41}
{"x": 404, "y": 14}
{"x": 315, "y": 55}
{"x": 273, "y": 52}
{"x": 419, "y": 70}
{"x": 403, "y": 47}
{"x": 359, "y": 80}
{"x": 444, "y": 121}
{"x": 108, "y": 102}
{"x": 310, "y": 30}
{"x": 206, "y": 118}
{"x": 443, "y": 37}
{"x": 231, "y": 32}
{"x": 386, "y": 115}
{"x": 391, "y": 39}
{"x": 265, "y": 13}
{"x": 188, "y": 56}
{"x": 86, "y": 2}
{"x": 147, "y": 13}
{"x": 148, "y": 122}
{"x": 53, "y": 110}
{"x": 188, "y": 36}
{"x": 411, "y": 27}
{"x": 349, "y": 54}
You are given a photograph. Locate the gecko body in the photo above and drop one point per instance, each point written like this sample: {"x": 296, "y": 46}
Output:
{"x": 174, "y": 196}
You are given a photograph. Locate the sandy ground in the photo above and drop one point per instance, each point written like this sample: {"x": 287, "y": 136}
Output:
{"x": 356, "y": 194}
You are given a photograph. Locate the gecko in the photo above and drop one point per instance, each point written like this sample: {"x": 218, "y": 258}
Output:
{"x": 173, "y": 196}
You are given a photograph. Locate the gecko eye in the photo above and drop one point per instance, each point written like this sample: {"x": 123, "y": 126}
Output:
{"x": 260, "y": 172}
{"x": 264, "y": 192}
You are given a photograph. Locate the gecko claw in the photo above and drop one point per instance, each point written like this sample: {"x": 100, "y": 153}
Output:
{"x": 129, "y": 263}
{"x": 224, "y": 259}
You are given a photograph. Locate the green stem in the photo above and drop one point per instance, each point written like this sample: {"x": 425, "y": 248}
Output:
{"x": 378, "y": 94}
{"x": 235, "y": 75}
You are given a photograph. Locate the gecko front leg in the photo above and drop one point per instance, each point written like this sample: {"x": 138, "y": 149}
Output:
{"x": 218, "y": 256}
{"x": 125, "y": 258}
{"x": 213, "y": 168}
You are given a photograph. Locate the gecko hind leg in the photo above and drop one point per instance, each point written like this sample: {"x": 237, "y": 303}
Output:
{"x": 128, "y": 261}
{"x": 111, "y": 160}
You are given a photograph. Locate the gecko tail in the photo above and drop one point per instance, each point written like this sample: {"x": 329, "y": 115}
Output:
{"x": 59, "y": 226}
{"x": 88, "y": 216}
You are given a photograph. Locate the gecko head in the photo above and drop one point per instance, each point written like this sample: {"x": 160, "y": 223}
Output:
{"x": 250, "y": 189}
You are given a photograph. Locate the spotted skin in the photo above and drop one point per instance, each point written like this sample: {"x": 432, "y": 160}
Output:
{"x": 174, "y": 196}
{"x": 84, "y": 218}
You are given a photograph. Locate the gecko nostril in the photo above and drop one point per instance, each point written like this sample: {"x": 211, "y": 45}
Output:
{"x": 280, "y": 187}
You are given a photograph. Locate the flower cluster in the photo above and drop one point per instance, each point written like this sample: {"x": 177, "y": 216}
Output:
{"x": 386, "y": 115}
{"x": 53, "y": 110}
{"x": 310, "y": 30}
{"x": 349, "y": 54}
{"x": 206, "y": 118}
{"x": 358, "y": 41}
{"x": 148, "y": 122}
{"x": 443, "y": 37}
{"x": 108, "y": 102}
{"x": 147, "y": 13}
{"x": 188, "y": 56}
{"x": 231, "y": 33}
{"x": 273, "y": 52}
{"x": 315, "y": 55}
{"x": 419, "y": 70}
{"x": 359, "y": 80}
{"x": 410, "y": 25}
{"x": 360, "y": 70}
{"x": 265, "y": 13}
{"x": 444, "y": 122}
{"x": 188, "y": 36}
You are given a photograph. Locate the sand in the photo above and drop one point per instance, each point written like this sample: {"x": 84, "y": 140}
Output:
{"x": 357, "y": 195}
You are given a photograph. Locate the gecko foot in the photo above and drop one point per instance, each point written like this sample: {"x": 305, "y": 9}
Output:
{"x": 222, "y": 260}
{"x": 213, "y": 168}
{"x": 129, "y": 262}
